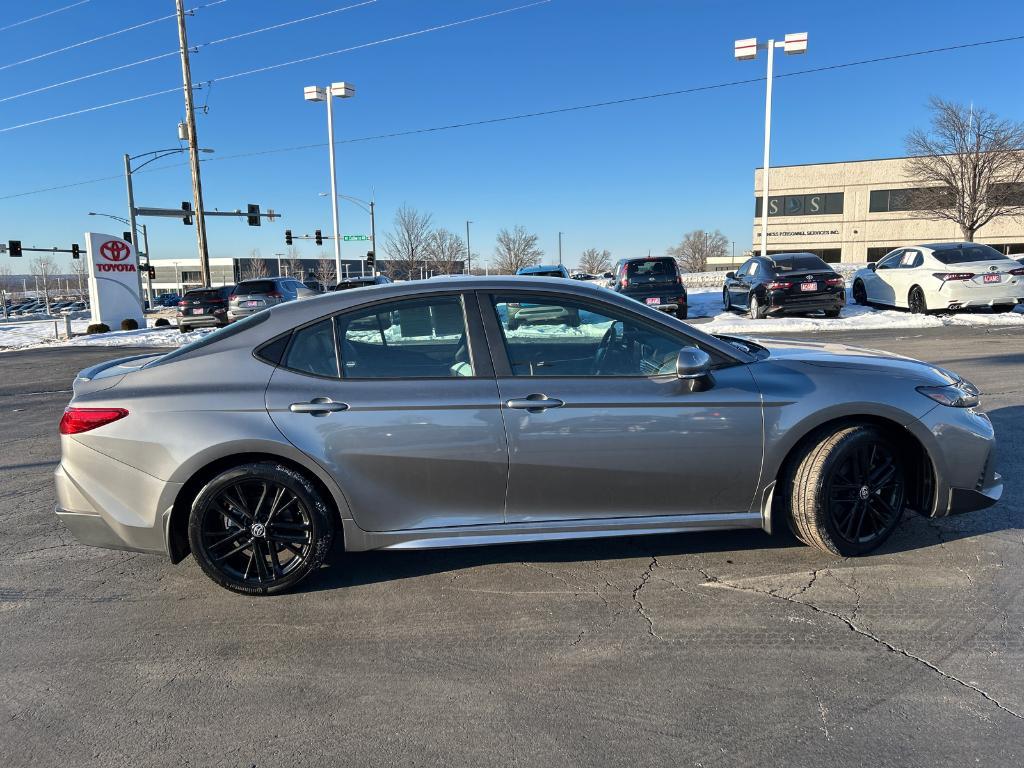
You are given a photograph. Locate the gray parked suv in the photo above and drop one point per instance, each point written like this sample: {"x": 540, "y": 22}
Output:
{"x": 251, "y": 296}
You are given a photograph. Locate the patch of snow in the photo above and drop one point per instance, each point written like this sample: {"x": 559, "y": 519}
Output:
{"x": 41, "y": 333}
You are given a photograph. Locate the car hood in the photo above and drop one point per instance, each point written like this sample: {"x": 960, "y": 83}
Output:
{"x": 827, "y": 354}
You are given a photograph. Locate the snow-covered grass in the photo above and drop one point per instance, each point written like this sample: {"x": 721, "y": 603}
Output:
{"x": 40, "y": 333}
{"x": 708, "y": 303}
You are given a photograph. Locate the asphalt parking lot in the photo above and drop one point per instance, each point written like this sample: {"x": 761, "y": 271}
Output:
{"x": 700, "y": 649}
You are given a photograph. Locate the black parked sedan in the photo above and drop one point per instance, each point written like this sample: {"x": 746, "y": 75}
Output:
{"x": 204, "y": 307}
{"x": 786, "y": 283}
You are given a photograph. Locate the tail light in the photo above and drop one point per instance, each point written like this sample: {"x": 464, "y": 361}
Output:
{"x": 945, "y": 276}
{"x": 1018, "y": 271}
{"x": 76, "y": 420}
{"x": 778, "y": 285}
{"x": 182, "y": 303}
{"x": 835, "y": 281}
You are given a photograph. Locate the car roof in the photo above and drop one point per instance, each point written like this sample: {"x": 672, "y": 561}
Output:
{"x": 944, "y": 246}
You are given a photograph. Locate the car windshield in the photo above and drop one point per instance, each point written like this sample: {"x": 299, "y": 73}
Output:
{"x": 255, "y": 286}
{"x": 214, "y": 336}
{"x": 967, "y": 254}
{"x": 544, "y": 273}
{"x": 206, "y": 294}
{"x": 346, "y": 284}
{"x": 799, "y": 263}
{"x": 652, "y": 268}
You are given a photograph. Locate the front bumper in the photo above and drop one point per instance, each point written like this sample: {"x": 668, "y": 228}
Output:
{"x": 961, "y": 445}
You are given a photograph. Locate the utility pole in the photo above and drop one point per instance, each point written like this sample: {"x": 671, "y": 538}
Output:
{"x": 469, "y": 253}
{"x": 373, "y": 235}
{"x": 193, "y": 148}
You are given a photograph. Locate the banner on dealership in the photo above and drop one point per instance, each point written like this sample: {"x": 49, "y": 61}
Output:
{"x": 113, "y": 280}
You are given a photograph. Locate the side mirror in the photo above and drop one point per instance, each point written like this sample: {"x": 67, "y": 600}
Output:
{"x": 730, "y": 275}
{"x": 692, "y": 364}
{"x": 872, "y": 266}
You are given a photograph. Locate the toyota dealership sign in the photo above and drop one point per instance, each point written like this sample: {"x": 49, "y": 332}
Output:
{"x": 113, "y": 280}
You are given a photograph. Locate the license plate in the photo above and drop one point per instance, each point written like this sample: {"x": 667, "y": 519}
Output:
{"x": 808, "y": 286}
{"x": 197, "y": 310}
{"x": 653, "y": 300}
{"x": 992, "y": 279}
{"x": 252, "y": 303}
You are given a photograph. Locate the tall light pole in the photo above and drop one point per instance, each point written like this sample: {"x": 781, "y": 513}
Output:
{"x": 746, "y": 50}
{"x": 469, "y": 253}
{"x": 560, "y": 248}
{"x": 316, "y": 93}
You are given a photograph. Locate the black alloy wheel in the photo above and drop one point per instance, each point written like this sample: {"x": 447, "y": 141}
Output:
{"x": 259, "y": 528}
{"x": 917, "y": 302}
{"x": 860, "y": 293}
{"x": 866, "y": 494}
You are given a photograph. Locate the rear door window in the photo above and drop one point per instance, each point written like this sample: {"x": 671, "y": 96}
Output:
{"x": 313, "y": 350}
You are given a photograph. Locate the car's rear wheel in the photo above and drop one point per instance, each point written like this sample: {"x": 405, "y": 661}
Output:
{"x": 860, "y": 293}
{"x": 848, "y": 491}
{"x": 260, "y": 528}
{"x": 832, "y": 312}
{"x": 681, "y": 312}
{"x": 917, "y": 302}
{"x": 757, "y": 312}
{"x": 183, "y": 328}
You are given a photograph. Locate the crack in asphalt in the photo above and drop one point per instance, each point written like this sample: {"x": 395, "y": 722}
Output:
{"x": 645, "y": 577}
{"x": 851, "y": 625}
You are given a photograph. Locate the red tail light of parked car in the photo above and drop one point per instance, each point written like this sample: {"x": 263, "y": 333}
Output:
{"x": 77, "y": 420}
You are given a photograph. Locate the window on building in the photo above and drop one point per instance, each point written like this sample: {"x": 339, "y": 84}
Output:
{"x": 191, "y": 276}
{"x": 814, "y": 204}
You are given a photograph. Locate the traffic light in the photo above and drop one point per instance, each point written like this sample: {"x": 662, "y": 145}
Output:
{"x": 14, "y": 247}
{"x": 186, "y": 214}
{"x": 152, "y": 272}
{"x": 126, "y": 236}
{"x": 287, "y": 237}
{"x": 318, "y": 238}
{"x": 254, "y": 215}
{"x": 371, "y": 258}
{"x": 75, "y": 251}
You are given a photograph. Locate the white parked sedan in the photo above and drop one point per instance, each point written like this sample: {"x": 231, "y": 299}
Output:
{"x": 945, "y": 276}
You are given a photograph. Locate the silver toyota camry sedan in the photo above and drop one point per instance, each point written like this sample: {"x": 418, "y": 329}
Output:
{"x": 416, "y": 415}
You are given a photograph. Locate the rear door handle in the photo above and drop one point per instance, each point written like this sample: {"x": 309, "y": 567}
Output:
{"x": 318, "y": 406}
{"x": 535, "y": 403}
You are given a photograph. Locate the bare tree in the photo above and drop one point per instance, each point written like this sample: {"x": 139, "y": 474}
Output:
{"x": 696, "y": 248}
{"x": 257, "y": 266}
{"x": 515, "y": 250}
{"x": 294, "y": 264}
{"x": 406, "y": 245}
{"x": 444, "y": 252}
{"x": 80, "y": 269}
{"x": 324, "y": 272}
{"x": 42, "y": 269}
{"x": 5, "y": 287}
{"x": 595, "y": 262}
{"x": 971, "y": 163}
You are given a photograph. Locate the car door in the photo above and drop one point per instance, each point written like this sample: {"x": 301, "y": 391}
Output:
{"x": 397, "y": 401}
{"x": 738, "y": 288}
{"x": 598, "y": 424}
{"x": 906, "y": 274}
{"x": 880, "y": 283}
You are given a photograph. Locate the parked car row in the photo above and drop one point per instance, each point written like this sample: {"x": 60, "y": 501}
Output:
{"x": 57, "y": 307}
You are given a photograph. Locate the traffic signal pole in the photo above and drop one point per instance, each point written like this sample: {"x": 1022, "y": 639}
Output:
{"x": 131, "y": 220}
{"x": 193, "y": 148}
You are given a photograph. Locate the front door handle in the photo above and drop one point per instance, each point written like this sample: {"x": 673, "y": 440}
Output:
{"x": 535, "y": 403}
{"x": 318, "y": 406}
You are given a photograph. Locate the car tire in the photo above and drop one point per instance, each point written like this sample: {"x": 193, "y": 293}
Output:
{"x": 513, "y": 324}
{"x": 757, "y": 312}
{"x": 916, "y": 301}
{"x": 726, "y": 300}
{"x": 682, "y": 312}
{"x": 832, "y": 313}
{"x": 860, "y": 293}
{"x": 848, "y": 491}
{"x": 183, "y": 328}
{"x": 253, "y": 546}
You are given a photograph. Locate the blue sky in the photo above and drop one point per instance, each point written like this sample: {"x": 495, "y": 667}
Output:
{"x": 628, "y": 178}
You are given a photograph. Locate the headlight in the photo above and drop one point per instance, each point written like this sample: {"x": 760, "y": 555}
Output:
{"x": 962, "y": 394}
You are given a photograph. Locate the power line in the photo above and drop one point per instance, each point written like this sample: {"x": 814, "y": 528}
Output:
{"x": 44, "y": 15}
{"x": 210, "y": 82}
{"x": 175, "y": 52}
{"x": 542, "y": 113}
{"x": 105, "y": 36}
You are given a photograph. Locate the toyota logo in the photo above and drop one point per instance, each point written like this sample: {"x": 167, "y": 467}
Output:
{"x": 115, "y": 250}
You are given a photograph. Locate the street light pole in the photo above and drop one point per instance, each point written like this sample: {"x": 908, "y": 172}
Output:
{"x": 315, "y": 93}
{"x": 559, "y": 249}
{"x": 469, "y": 252}
{"x": 746, "y": 50}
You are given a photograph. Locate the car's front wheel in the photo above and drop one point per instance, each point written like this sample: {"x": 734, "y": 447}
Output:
{"x": 860, "y": 293}
{"x": 726, "y": 300}
{"x": 260, "y": 528}
{"x": 848, "y": 491}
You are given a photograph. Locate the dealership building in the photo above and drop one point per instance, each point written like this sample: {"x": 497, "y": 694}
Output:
{"x": 855, "y": 212}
